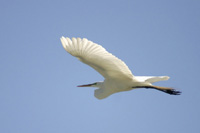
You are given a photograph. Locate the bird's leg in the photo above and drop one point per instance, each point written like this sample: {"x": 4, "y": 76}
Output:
{"x": 171, "y": 92}
{"x": 167, "y": 90}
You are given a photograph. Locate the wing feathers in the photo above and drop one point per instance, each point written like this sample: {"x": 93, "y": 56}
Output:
{"x": 97, "y": 57}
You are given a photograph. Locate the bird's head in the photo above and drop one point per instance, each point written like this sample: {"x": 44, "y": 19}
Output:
{"x": 96, "y": 84}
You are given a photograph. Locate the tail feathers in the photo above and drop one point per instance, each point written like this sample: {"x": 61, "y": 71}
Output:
{"x": 151, "y": 79}
{"x": 156, "y": 79}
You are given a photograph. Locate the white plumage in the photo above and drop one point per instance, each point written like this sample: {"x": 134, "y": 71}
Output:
{"x": 118, "y": 76}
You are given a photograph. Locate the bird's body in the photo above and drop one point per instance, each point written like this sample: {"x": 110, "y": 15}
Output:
{"x": 118, "y": 76}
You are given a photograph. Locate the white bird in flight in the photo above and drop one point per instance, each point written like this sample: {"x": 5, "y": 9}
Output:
{"x": 117, "y": 75}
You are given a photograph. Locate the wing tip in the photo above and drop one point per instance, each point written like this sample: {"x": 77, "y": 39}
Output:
{"x": 63, "y": 42}
{"x": 66, "y": 42}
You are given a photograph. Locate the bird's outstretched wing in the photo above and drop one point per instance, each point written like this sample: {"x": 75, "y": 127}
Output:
{"x": 97, "y": 57}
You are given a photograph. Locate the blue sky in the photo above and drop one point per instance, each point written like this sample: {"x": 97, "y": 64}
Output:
{"x": 38, "y": 92}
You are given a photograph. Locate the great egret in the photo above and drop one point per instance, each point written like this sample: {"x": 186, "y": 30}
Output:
{"x": 117, "y": 75}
